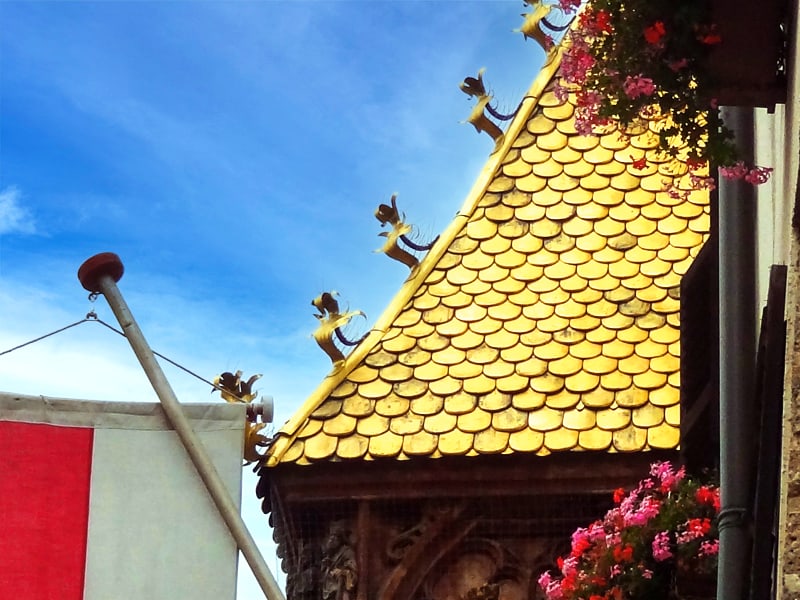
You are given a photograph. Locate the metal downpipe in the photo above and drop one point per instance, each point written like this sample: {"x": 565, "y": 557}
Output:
{"x": 737, "y": 333}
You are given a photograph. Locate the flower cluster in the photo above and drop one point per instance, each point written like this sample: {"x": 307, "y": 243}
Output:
{"x": 665, "y": 525}
{"x": 626, "y": 60}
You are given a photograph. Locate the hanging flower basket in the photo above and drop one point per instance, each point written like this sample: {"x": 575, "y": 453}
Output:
{"x": 646, "y": 547}
{"x": 633, "y": 61}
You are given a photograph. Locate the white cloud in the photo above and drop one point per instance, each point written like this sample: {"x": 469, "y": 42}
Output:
{"x": 14, "y": 218}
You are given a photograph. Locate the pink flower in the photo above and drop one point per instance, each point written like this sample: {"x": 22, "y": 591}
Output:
{"x": 587, "y": 111}
{"x": 642, "y": 514}
{"x": 561, "y": 92}
{"x": 576, "y": 63}
{"x": 754, "y": 175}
{"x": 735, "y": 171}
{"x": 702, "y": 183}
{"x": 570, "y": 566}
{"x": 595, "y": 532}
{"x": 758, "y": 175}
{"x": 551, "y": 587}
{"x": 635, "y": 86}
{"x": 569, "y": 6}
{"x": 613, "y": 539}
{"x": 668, "y": 478}
{"x": 661, "y": 551}
{"x": 709, "y": 548}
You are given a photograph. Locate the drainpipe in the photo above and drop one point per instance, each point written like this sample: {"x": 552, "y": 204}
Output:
{"x": 737, "y": 329}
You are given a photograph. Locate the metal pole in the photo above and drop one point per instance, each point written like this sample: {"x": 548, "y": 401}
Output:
{"x": 737, "y": 328}
{"x": 100, "y": 274}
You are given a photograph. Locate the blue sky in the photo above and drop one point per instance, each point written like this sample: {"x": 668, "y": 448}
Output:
{"x": 232, "y": 153}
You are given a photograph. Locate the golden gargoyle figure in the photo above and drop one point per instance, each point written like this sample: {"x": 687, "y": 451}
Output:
{"x": 253, "y": 441}
{"x": 473, "y": 86}
{"x": 532, "y": 26}
{"x": 234, "y": 390}
{"x": 389, "y": 214}
{"x": 330, "y": 323}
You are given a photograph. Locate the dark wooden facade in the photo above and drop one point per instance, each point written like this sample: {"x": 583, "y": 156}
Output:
{"x": 438, "y": 529}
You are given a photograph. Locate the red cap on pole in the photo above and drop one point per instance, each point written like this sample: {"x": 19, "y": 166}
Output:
{"x": 105, "y": 263}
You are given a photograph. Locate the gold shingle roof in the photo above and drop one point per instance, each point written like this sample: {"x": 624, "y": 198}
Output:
{"x": 545, "y": 318}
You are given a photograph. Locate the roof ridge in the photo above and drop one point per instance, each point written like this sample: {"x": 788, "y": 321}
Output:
{"x": 286, "y": 435}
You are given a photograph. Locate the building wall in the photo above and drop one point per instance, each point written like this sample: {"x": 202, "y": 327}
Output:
{"x": 787, "y": 136}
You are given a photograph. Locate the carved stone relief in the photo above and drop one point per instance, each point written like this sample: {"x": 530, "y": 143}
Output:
{"x": 339, "y": 570}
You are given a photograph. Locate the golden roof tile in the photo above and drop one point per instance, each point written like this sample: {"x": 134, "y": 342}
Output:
{"x": 419, "y": 443}
{"x": 407, "y": 424}
{"x": 544, "y": 319}
{"x": 598, "y": 398}
{"x": 526, "y": 440}
{"x": 594, "y": 439}
{"x": 480, "y": 384}
{"x": 392, "y": 406}
{"x": 455, "y": 442}
{"x": 580, "y": 419}
{"x": 560, "y": 439}
{"x": 352, "y": 447}
{"x": 427, "y": 404}
{"x": 356, "y": 406}
{"x": 385, "y": 445}
{"x": 630, "y": 439}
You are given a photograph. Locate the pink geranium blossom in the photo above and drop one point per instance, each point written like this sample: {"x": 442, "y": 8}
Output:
{"x": 637, "y": 85}
{"x": 709, "y": 548}
{"x": 660, "y": 546}
{"x": 753, "y": 175}
{"x": 569, "y": 6}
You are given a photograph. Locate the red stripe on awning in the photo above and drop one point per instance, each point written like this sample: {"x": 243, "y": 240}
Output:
{"x": 45, "y": 473}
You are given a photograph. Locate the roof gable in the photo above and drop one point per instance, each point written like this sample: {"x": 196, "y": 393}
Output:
{"x": 545, "y": 318}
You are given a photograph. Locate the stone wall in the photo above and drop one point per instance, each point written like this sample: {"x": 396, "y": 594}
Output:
{"x": 789, "y": 525}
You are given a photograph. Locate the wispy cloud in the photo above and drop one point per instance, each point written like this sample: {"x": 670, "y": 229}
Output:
{"x": 14, "y": 217}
